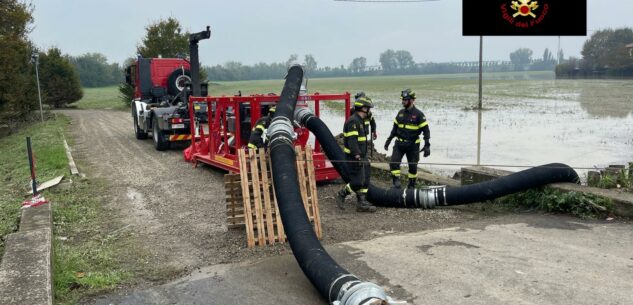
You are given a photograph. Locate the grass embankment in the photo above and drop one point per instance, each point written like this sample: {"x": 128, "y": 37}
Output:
{"x": 86, "y": 247}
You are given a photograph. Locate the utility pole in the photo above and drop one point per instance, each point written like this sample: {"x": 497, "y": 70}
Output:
{"x": 558, "y": 55}
{"x": 36, "y": 59}
{"x": 481, "y": 48}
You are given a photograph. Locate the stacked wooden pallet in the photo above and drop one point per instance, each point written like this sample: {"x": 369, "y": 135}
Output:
{"x": 251, "y": 202}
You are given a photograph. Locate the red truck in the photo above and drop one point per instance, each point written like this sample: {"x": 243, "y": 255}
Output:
{"x": 162, "y": 87}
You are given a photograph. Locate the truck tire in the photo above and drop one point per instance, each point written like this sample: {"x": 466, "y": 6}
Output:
{"x": 176, "y": 81}
{"x": 159, "y": 138}
{"x": 140, "y": 134}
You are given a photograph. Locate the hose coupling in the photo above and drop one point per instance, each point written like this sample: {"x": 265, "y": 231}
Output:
{"x": 428, "y": 198}
{"x": 362, "y": 293}
{"x": 281, "y": 128}
{"x": 302, "y": 115}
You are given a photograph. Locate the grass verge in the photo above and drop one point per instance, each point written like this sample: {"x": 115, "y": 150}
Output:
{"x": 88, "y": 242}
{"x": 48, "y": 147}
{"x": 91, "y": 254}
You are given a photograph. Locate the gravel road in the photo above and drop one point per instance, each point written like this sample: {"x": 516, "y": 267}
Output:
{"x": 178, "y": 213}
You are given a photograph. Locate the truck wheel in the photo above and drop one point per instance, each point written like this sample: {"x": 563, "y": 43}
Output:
{"x": 140, "y": 133}
{"x": 159, "y": 138}
{"x": 176, "y": 81}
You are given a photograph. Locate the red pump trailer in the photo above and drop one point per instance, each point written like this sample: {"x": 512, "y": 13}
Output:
{"x": 230, "y": 120}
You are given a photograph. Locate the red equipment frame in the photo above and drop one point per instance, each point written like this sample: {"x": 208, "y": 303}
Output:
{"x": 226, "y": 121}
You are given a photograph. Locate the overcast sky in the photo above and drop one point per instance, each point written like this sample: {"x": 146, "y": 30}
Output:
{"x": 269, "y": 31}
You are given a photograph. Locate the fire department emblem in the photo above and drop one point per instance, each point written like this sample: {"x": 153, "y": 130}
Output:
{"x": 524, "y": 8}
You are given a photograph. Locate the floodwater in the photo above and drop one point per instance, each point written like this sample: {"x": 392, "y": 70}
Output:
{"x": 582, "y": 123}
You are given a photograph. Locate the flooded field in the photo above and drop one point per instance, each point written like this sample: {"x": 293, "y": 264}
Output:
{"x": 528, "y": 119}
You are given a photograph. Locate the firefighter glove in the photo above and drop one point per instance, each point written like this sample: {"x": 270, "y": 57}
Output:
{"x": 374, "y": 136}
{"x": 426, "y": 149}
{"x": 388, "y": 142}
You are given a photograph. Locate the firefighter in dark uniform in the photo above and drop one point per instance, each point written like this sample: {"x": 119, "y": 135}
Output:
{"x": 255, "y": 140}
{"x": 369, "y": 120}
{"x": 409, "y": 123}
{"x": 355, "y": 148}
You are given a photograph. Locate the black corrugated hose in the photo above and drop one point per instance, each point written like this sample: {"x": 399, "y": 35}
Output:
{"x": 431, "y": 197}
{"x": 333, "y": 281}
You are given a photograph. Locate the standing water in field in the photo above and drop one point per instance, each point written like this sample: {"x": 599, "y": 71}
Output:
{"x": 582, "y": 123}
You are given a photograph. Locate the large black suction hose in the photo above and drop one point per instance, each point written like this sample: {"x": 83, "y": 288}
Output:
{"x": 431, "y": 197}
{"x": 333, "y": 281}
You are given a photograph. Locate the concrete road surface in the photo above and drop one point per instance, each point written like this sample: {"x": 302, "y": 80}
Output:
{"x": 515, "y": 259}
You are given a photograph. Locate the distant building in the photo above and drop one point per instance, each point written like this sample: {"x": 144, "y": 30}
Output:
{"x": 630, "y": 47}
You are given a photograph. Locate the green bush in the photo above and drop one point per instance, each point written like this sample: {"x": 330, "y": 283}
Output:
{"x": 549, "y": 200}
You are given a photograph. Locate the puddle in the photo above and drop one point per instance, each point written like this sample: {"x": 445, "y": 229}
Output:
{"x": 582, "y": 123}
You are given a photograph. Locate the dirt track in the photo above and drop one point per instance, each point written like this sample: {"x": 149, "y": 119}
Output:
{"x": 177, "y": 213}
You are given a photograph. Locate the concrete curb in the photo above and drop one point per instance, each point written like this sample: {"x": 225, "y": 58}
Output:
{"x": 26, "y": 275}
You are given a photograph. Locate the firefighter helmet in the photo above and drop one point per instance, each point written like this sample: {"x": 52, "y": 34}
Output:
{"x": 407, "y": 94}
{"x": 359, "y": 95}
{"x": 363, "y": 102}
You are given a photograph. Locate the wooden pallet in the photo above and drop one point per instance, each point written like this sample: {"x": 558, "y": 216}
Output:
{"x": 251, "y": 193}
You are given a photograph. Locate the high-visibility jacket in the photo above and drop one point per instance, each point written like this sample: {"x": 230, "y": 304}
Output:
{"x": 369, "y": 121}
{"x": 355, "y": 136}
{"x": 409, "y": 124}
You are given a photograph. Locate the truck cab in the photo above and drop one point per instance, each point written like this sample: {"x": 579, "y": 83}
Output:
{"x": 161, "y": 88}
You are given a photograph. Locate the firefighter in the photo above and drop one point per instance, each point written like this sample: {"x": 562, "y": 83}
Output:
{"x": 256, "y": 140}
{"x": 369, "y": 120}
{"x": 409, "y": 123}
{"x": 355, "y": 148}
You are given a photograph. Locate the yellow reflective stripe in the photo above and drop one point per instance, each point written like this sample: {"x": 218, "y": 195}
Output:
{"x": 366, "y": 122}
{"x": 358, "y": 104}
{"x": 250, "y": 145}
{"x": 395, "y": 172}
{"x": 403, "y": 140}
{"x": 351, "y": 133}
{"x": 410, "y": 175}
{"x": 348, "y": 188}
{"x": 363, "y": 190}
{"x": 261, "y": 127}
{"x": 395, "y": 121}
{"x": 362, "y": 139}
{"x": 346, "y": 150}
{"x": 400, "y": 125}
{"x": 412, "y": 127}
{"x": 423, "y": 124}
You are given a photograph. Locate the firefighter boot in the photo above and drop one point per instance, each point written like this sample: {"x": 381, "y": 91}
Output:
{"x": 396, "y": 181}
{"x": 340, "y": 198}
{"x": 362, "y": 205}
{"x": 411, "y": 183}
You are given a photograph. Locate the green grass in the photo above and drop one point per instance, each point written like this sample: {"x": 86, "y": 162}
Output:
{"x": 48, "y": 147}
{"x": 553, "y": 201}
{"x": 101, "y": 98}
{"x": 88, "y": 247}
{"x": 441, "y": 87}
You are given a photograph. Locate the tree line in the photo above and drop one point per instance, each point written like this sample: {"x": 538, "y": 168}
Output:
{"x": 19, "y": 57}
{"x": 604, "y": 54}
